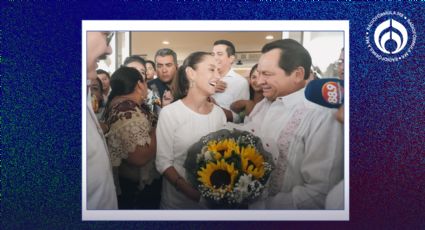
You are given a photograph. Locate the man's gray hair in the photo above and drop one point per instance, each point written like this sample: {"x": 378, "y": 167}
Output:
{"x": 166, "y": 52}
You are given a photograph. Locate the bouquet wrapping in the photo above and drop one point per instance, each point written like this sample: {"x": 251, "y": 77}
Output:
{"x": 229, "y": 168}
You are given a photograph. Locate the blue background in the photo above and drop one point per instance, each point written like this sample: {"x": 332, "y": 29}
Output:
{"x": 41, "y": 111}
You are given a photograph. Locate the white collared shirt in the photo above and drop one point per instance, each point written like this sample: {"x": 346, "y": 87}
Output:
{"x": 237, "y": 89}
{"x": 100, "y": 183}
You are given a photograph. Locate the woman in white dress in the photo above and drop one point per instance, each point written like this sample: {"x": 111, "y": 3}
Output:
{"x": 183, "y": 123}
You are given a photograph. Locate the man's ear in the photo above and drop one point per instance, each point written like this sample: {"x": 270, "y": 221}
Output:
{"x": 299, "y": 74}
{"x": 232, "y": 57}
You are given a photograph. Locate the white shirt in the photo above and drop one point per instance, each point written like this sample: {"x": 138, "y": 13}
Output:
{"x": 179, "y": 128}
{"x": 237, "y": 89}
{"x": 312, "y": 141}
{"x": 335, "y": 198}
{"x": 100, "y": 183}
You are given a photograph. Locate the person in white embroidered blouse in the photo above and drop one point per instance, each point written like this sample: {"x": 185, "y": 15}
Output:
{"x": 131, "y": 141}
{"x": 100, "y": 184}
{"x": 183, "y": 123}
{"x": 306, "y": 142}
{"x": 232, "y": 86}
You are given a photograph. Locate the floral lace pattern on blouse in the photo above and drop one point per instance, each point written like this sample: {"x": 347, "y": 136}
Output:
{"x": 129, "y": 126}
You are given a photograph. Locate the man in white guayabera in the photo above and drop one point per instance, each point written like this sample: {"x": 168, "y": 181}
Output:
{"x": 306, "y": 142}
{"x": 100, "y": 183}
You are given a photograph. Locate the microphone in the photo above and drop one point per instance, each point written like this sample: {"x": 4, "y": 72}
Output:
{"x": 327, "y": 92}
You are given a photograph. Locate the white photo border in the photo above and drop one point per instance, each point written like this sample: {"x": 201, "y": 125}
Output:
{"x": 219, "y": 26}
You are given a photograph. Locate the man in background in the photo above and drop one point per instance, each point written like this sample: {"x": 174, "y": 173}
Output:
{"x": 232, "y": 86}
{"x": 100, "y": 184}
{"x": 166, "y": 65}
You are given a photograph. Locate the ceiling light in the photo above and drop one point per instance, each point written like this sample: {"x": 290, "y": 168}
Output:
{"x": 165, "y": 42}
{"x": 269, "y": 37}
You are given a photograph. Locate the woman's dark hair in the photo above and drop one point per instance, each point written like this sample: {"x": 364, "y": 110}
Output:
{"x": 101, "y": 71}
{"x": 100, "y": 85}
{"x": 181, "y": 82}
{"x": 251, "y": 90}
{"x": 123, "y": 82}
{"x": 134, "y": 58}
{"x": 152, "y": 63}
{"x": 100, "y": 102}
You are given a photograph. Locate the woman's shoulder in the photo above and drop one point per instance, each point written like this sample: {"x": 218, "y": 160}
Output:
{"x": 217, "y": 111}
{"x": 175, "y": 106}
{"x": 124, "y": 110}
{"x": 124, "y": 106}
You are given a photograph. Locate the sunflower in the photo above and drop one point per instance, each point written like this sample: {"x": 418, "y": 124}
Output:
{"x": 218, "y": 175}
{"x": 252, "y": 162}
{"x": 223, "y": 148}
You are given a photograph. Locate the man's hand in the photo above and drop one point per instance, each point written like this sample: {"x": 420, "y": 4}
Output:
{"x": 220, "y": 86}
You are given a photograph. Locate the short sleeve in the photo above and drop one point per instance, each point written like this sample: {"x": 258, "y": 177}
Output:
{"x": 126, "y": 133}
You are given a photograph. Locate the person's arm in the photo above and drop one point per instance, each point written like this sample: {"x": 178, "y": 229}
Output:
{"x": 165, "y": 154}
{"x": 321, "y": 168}
{"x": 181, "y": 184}
{"x": 243, "y": 94}
{"x": 143, "y": 154}
{"x": 229, "y": 114}
{"x": 239, "y": 106}
{"x": 132, "y": 140}
{"x": 221, "y": 86}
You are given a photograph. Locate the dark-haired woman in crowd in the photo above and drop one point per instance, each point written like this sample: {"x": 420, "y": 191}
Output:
{"x": 244, "y": 107}
{"x": 105, "y": 78}
{"x": 132, "y": 141}
{"x": 96, "y": 90}
{"x": 183, "y": 123}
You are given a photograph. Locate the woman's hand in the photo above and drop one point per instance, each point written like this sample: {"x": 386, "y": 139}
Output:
{"x": 194, "y": 194}
{"x": 181, "y": 185}
{"x": 220, "y": 86}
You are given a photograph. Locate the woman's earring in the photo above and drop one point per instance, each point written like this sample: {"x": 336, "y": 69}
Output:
{"x": 192, "y": 83}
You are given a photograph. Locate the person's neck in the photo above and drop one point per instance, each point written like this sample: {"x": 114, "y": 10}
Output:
{"x": 196, "y": 102}
{"x": 132, "y": 96}
{"x": 168, "y": 84}
{"x": 106, "y": 92}
{"x": 223, "y": 73}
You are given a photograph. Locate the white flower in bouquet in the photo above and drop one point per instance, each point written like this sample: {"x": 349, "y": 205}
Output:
{"x": 241, "y": 187}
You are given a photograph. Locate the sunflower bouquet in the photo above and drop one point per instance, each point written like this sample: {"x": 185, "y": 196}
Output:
{"x": 229, "y": 168}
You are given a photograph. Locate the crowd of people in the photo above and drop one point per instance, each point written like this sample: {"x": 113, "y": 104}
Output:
{"x": 142, "y": 119}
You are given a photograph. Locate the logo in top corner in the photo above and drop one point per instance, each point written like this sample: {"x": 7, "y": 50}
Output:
{"x": 390, "y": 36}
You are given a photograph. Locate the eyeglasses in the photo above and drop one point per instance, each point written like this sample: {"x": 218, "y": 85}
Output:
{"x": 109, "y": 36}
